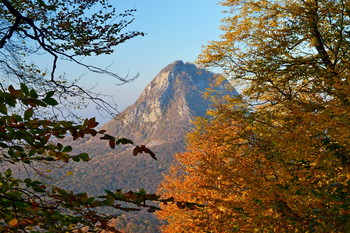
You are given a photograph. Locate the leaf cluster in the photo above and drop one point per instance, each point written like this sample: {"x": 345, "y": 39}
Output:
{"x": 61, "y": 30}
{"x": 276, "y": 157}
{"x": 60, "y": 26}
{"x": 33, "y": 205}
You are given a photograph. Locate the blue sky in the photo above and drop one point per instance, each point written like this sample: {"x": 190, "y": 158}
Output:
{"x": 176, "y": 30}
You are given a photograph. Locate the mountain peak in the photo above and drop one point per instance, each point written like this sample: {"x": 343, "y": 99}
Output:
{"x": 177, "y": 88}
{"x": 178, "y": 62}
{"x": 179, "y": 65}
{"x": 163, "y": 113}
{"x": 176, "y": 72}
{"x": 160, "y": 119}
{"x": 171, "y": 66}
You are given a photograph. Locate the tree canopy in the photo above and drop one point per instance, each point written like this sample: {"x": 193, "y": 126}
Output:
{"x": 67, "y": 30}
{"x": 276, "y": 157}
{"x": 62, "y": 29}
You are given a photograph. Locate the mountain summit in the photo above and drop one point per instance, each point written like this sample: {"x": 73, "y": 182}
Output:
{"x": 164, "y": 110}
{"x": 160, "y": 119}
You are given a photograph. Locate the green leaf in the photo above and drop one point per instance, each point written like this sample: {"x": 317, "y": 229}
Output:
{"x": 3, "y": 109}
{"x": 298, "y": 192}
{"x": 28, "y": 113}
{"x": 142, "y": 192}
{"x": 108, "y": 202}
{"x": 67, "y": 149}
{"x": 59, "y": 146}
{"x": 90, "y": 200}
{"x": 19, "y": 148}
{"x": 40, "y": 103}
{"x": 11, "y": 101}
{"x": 38, "y": 189}
{"x": 8, "y": 173}
{"x": 28, "y": 182}
{"x": 36, "y": 182}
{"x": 24, "y": 88}
{"x": 326, "y": 141}
{"x": 49, "y": 94}
{"x": 109, "y": 193}
{"x": 11, "y": 152}
{"x": 14, "y": 194}
{"x": 62, "y": 192}
{"x": 33, "y": 94}
{"x": 84, "y": 156}
{"x": 82, "y": 197}
{"x": 50, "y": 101}
{"x": 32, "y": 152}
{"x": 3, "y": 145}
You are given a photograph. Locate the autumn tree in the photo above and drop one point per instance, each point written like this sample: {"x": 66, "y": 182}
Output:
{"x": 276, "y": 158}
{"x": 66, "y": 29}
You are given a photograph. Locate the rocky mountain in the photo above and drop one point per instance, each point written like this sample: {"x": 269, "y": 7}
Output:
{"x": 160, "y": 119}
{"x": 163, "y": 112}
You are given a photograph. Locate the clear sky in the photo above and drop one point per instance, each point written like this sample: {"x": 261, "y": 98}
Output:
{"x": 176, "y": 30}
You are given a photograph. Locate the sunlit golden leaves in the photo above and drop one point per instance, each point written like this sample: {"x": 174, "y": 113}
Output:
{"x": 276, "y": 158}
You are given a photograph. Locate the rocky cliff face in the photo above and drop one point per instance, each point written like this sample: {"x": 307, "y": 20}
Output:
{"x": 167, "y": 104}
{"x": 160, "y": 119}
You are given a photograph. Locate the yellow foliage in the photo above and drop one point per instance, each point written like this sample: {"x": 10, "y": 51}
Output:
{"x": 277, "y": 157}
{"x": 69, "y": 173}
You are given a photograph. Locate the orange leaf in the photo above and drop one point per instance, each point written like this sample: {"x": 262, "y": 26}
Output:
{"x": 13, "y": 222}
